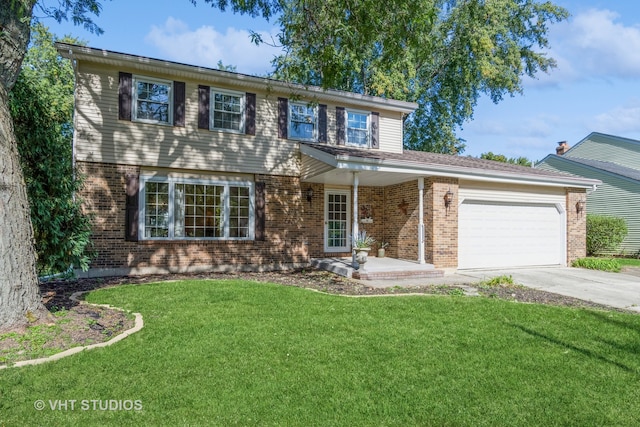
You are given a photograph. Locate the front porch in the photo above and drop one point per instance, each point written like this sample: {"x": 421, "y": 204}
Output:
{"x": 378, "y": 268}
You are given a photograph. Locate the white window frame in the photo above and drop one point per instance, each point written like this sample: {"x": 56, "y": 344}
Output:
{"x": 212, "y": 110}
{"x": 172, "y": 181}
{"x": 314, "y": 137}
{"x": 134, "y": 108}
{"x": 346, "y": 128}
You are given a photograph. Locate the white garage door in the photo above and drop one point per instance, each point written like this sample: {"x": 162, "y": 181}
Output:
{"x": 508, "y": 234}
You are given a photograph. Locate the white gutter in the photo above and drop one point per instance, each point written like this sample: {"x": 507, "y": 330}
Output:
{"x": 203, "y": 74}
{"x": 352, "y": 163}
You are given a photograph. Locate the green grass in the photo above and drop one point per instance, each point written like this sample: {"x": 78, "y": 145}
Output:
{"x": 630, "y": 262}
{"x": 238, "y": 353}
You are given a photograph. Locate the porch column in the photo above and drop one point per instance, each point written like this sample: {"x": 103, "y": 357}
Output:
{"x": 354, "y": 226}
{"x": 421, "y": 259}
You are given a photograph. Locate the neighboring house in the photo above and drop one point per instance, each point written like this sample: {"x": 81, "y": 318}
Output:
{"x": 616, "y": 162}
{"x": 195, "y": 169}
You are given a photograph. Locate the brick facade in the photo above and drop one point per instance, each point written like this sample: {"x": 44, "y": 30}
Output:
{"x": 402, "y": 215}
{"x": 441, "y": 223}
{"x": 104, "y": 199}
{"x": 294, "y": 226}
{"x": 576, "y": 225}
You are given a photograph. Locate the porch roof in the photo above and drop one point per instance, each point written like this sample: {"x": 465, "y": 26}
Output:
{"x": 330, "y": 164}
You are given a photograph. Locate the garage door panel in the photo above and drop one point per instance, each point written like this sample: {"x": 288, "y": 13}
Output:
{"x": 500, "y": 234}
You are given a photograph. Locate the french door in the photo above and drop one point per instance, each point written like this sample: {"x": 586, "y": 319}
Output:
{"x": 337, "y": 225}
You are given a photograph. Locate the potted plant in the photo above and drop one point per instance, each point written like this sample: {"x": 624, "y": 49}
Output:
{"x": 383, "y": 245}
{"x": 363, "y": 243}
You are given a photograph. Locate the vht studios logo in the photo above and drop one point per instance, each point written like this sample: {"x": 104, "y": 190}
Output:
{"x": 88, "y": 405}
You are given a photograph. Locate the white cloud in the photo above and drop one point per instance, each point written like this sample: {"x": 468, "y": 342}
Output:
{"x": 604, "y": 46}
{"x": 487, "y": 127}
{"x": 621, "y": 120}
{"x": 594, "y": 43}
{"x": 206, "y": 46}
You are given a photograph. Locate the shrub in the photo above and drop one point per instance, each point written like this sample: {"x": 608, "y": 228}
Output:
{"x": 604, "y": 233}
{"x": 604, "y": 264}
{"x": 498, "y": 281}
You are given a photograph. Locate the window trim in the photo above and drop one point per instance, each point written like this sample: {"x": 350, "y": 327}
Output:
{"x": 314, "y": 137}
{"x": 212, "y": 102}
{"x": 346, "y": 127}
{"x": 172, "y": 181}
{"x": 134, "y": 99}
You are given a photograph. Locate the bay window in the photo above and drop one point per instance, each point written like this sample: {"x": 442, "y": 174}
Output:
{"x": 174, "y": 208}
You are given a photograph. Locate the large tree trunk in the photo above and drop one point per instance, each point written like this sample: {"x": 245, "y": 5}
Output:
{"x": 20, "y": 300}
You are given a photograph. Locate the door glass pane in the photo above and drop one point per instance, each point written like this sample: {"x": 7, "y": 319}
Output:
{"x": 337, "y": 221}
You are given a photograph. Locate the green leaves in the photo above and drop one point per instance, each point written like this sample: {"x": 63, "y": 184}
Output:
{"x": 604, "y": 233}
{"x": 42, "y": 107}
{"x": 442, "y": 54}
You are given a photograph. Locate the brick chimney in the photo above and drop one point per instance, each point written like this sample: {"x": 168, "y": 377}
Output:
{"x": 562, "y": 148}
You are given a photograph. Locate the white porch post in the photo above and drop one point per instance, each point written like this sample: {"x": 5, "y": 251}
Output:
{"x": 421, "y": 259}
{"x": 354, "y": 226}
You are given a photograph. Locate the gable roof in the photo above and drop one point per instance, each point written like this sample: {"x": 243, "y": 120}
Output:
{"x": 413, "y": 164}
{"x": 608, "y": 167}
{"x": 614, "y": 149}
{"x": 213, "y": 76}
{"x": 606, "y": 138}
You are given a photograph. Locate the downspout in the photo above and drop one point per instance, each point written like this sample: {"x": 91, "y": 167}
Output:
{"x": 354, "y": 227}
{"x": 74, "y": 65}
{"x": 421, "y": 259}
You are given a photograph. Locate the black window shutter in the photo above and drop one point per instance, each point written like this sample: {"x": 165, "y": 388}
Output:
{"x": 203, "y": 107}
{"x": 178, "y": 103}
{"x": 131, "y": 207}
{"x": 375, "y": 130}
{"x": 322, "y": 123}
{"x": 283, "y": 118}
{"x": 260, "y": 211}
{"x": 125, "y": 82}
{"x": 340, "y": 126}
{"x": 250, "y": 114}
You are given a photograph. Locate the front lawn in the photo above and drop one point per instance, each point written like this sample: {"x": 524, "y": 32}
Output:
{"x": 233, "y": 352}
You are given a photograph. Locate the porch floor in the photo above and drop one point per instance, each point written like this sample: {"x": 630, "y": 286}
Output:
{"x": 378, "y": 268}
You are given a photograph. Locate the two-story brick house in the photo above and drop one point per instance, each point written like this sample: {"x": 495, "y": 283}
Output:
{"x": 195, "y": 169}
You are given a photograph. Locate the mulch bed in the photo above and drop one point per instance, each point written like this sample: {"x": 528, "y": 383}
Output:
{"x": 58, "y": 292}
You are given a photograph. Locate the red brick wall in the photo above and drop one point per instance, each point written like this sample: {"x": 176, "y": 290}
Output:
{"x": 294, "y": 226}
{"x": 401, "y": 220}
{"x": 441, "y": 223}
{"x": 104, "y": 199}
{"x": 576, "y": 225}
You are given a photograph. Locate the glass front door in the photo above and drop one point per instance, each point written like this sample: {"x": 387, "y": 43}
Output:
{"x": 337, "y": 221}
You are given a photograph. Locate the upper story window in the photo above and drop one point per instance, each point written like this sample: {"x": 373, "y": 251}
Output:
{"x": 227, "y": 110}
{"x": 303, "y": 121}
{"x": 357, "y": 128}
{"x": 152, "y": 100}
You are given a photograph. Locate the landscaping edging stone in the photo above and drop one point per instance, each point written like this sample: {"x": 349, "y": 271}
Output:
{"x": 138, "y": 325}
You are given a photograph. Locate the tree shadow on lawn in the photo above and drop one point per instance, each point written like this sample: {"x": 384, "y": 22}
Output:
{"x": 584, "y": 351}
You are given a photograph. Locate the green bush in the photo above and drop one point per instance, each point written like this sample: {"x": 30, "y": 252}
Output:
{"x": 604, "y": 233}
{"x": 604, "y": 264}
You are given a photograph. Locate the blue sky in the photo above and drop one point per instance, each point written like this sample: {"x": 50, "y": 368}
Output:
{"x": 595, "y": 88}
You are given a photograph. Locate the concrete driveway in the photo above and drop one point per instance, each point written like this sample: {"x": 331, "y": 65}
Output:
{"x": 620, "y": 290}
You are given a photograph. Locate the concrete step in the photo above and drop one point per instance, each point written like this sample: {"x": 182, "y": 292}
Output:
{"x": 334, "y": 266}
{"x": 378, "y": 269}
{"x": 389, "y": 275}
